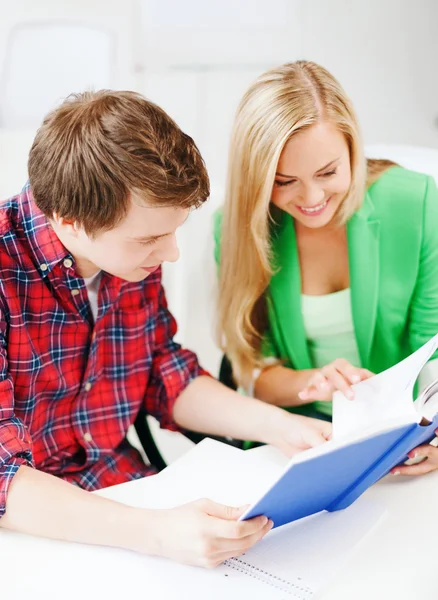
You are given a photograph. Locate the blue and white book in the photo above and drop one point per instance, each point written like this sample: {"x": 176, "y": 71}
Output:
{"x": 371, "y": 435}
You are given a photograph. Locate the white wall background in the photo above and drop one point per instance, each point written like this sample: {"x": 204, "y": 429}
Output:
{"x": 195, "y": 59}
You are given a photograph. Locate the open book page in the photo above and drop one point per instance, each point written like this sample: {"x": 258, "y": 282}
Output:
{"x": 225, "y": 474}
{"x": 426, "y": 404}
{"x": 348, "y": 439}
{"x": 385, "y": 397}
{"x": 293, "y": 562}
{"x": 210, "y": 469}
{"x": 428, "y": 375}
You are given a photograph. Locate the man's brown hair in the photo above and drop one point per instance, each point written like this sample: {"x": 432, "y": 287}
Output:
{"x": 98, "y": 147}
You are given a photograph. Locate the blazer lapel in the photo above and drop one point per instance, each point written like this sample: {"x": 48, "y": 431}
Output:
{"x": 363, "y": 248}
{"x": 285, "y": 292}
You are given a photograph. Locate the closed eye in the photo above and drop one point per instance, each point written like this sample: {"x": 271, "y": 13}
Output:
{"x": 283, "y": 183}
{"x": 291, "y": 181}
{"x": 148, "y": 242}
{"x": 328, "y": 173}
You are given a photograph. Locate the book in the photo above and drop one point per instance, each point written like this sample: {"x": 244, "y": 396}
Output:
{"x": 372, "y": 434}
{"x": 293, "y": 562}
{"x": 296, "y": 561}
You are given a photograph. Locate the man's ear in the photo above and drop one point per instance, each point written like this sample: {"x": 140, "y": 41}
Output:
{"x": 69, "y": 227}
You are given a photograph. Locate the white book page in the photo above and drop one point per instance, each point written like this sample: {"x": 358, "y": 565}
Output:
{"x": 427, "y": 402}
{"x": 293, "y": 562}
{"x": 210, "y": 469}
{"x": 387, "y": 396}
{"x": 282, "y": 566}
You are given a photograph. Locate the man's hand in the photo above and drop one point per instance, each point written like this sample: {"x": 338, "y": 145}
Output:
{"x": 209, "y": 407}
{"x": 338, "y": 375}
{"x": 294, "y": 433}
{"x": 204, "y": 533}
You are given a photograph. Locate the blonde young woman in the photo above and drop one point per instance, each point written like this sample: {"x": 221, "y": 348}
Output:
{"x": 328, "y": 261}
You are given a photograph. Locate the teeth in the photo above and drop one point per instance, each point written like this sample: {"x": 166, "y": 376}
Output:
{"x": 314, "y": 209}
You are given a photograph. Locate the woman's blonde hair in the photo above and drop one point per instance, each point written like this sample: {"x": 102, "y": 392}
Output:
{"x": 279, "y": 104}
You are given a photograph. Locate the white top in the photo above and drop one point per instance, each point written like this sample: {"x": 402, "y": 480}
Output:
{"x": 329, "y": 328}
{"x": 328, "y": 323}
{"x": 92, "y": 284}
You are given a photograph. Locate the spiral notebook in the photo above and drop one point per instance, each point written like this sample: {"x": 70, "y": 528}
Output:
{"x": 300, "y": 559}
{"x": 293, "y": 562}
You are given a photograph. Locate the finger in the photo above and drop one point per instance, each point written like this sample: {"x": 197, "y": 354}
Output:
{"x": 315, "y": 437}
{"x": 319, "y": 381}
{"x": 314, "y": 393}
{"x": 325, "y": 428}
{"x": 365, "y": 374}
{"x": 318, "y": 388}
{"x": 420, "y": 469}
{"x": 240, "y": 543}
{"x": 338, "y": 381}
{"x": 314, "y": 432}
{"x": 426, "y": 451}
{"x": 348, "y": 371}
{"x": 240, "y": 529}
{"x": 304, "y": 394}
{"x": 221, "y": 557}
{"x": 222, "y": 511}
{"x": 232, "y": 548}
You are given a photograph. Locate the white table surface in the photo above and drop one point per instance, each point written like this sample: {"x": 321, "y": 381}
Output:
{"x": 396, "y": 560}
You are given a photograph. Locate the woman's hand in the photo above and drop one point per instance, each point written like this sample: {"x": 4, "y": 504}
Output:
{"x": 426, "y": 458}
{"x": 338, "y": 375}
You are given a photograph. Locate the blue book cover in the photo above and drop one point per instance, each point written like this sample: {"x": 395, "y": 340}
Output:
{"x": 335, "y": 474}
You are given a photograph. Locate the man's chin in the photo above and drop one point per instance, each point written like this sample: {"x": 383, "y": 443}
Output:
{"x": 135, "y": 277}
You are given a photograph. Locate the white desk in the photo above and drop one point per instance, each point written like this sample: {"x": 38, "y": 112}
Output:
{"x": 396, "y": 560}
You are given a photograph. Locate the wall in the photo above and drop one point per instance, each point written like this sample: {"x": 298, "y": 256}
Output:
{"x": 196, "y": 59}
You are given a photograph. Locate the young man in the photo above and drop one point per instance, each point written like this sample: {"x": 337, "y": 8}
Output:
{"x": 86, "y": 339}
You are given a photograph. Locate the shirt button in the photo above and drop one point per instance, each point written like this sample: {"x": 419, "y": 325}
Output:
{"x": 88, "y": 437}
{"x": 75, "y": 292}
{"x": 44, "y": 267}
{"x": 87, "y": 386}
{"x": 68, "y": 263}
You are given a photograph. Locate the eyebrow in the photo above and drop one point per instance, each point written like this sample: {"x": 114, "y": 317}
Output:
{"x": 148, "y": 238}
{"x": 318, "y": 171}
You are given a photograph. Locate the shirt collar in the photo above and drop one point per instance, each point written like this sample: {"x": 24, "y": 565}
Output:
{"x": 44, "y": 244}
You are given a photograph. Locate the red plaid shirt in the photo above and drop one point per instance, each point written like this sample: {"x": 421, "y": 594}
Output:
{"x": 70, "y": 388}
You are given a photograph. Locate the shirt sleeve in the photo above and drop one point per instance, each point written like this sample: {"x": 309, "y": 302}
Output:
{"x": 15, "y": 442}
{"x": 423, "y": 321}
{"x": 173, "y": 368}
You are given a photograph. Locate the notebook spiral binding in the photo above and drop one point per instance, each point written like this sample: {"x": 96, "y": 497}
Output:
{"x": 295, "y": 590}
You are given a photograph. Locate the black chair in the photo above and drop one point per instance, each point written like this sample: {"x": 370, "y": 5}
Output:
{"x": 226, "y": 373}
{"x": 147, "y": 441}
{"x": 146, "y": 438}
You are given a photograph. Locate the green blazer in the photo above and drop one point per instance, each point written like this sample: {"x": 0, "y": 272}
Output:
{"x": 393, "y": 261}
